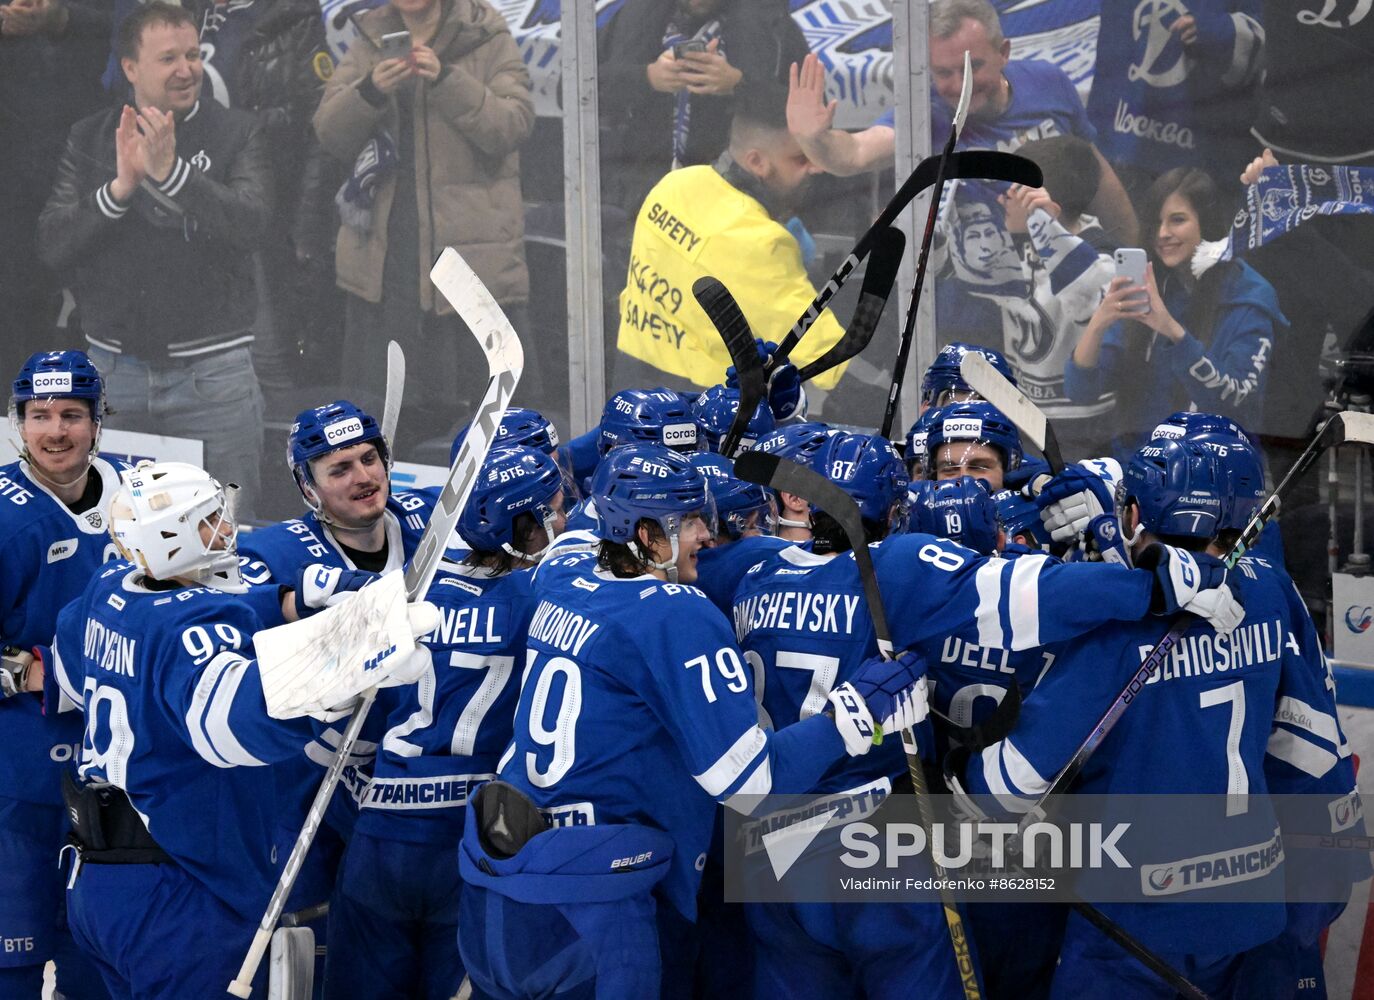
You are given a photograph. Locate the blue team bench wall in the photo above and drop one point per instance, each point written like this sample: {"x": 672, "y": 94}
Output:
{"x": 1354, "y": 686}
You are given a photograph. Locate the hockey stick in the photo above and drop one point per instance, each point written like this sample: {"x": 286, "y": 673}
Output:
{"x": 788, "y": 476}
{"x": 982, "y": 164}
{"x": 505, "y": 362}
{"x": 395, "y": 390}
{"x": 997, "y": 389}
{"x": 1347, "y": 425}
{"x": 877, "y": 286}
{"x": 922, "y": 261}
{"x": 784, "y": 474}
{"x": 724, "y": 313}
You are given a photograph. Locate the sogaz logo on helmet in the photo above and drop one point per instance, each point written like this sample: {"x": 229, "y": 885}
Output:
{"x": 1166, "y": 431}
{"x": 52, "y": 383}
{"x": 674, "y": 434}
{"x": 343, "y": 430}
{"x": 963, "y": 427}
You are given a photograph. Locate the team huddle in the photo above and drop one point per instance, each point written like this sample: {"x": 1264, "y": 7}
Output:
{"x": 622, "y": 636}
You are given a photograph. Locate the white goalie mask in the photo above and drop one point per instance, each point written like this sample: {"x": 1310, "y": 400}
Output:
{"x": 173, "y": 520}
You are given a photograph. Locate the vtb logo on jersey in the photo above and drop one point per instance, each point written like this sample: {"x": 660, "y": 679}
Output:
{"x": 1161, "y": 64}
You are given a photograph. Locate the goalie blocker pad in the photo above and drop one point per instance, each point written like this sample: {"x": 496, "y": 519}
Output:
{"x": 367, "y": 640}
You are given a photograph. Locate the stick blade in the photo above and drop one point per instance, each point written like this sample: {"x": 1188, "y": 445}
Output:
{"x": 965, "y": 95}
{"x": 993, "y": 386}
{"x": 395, "y": 389}
{"x": 727, "y": 317}
{"x": 459, "y": 284}
{"x": 1356, "y": 427}
{"x": 878, "y": 281}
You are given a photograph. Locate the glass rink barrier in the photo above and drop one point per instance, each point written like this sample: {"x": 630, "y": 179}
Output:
{"x": 1020, "y": 241}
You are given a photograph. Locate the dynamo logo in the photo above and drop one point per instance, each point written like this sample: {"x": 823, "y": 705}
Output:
{"x": 1358, "y": 620}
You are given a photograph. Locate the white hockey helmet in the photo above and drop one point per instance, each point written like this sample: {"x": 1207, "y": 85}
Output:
{"x": 156, "y": 519}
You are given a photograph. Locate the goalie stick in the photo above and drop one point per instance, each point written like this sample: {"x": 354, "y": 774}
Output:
{"x": 783, "y": 474}
{"x": 1347, "y": 425}
{"x": 981, "y": 164}
{"x": 997, "y": 389}
{"x": 922, "y": 261}
{"x": 725, "y": 315}
{"x": 877, "y": 286}
{"x": 395, "y": 391}
{"x": 505, "y": 357}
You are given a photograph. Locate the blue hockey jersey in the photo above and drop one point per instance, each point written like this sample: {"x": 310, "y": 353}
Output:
{"x": 50, "y": 556}
{"x": 1201, "y": 725}
{"x": 638, "y": 707}
{"x": 448, "y": 732}
{"x": 175, "y": 716}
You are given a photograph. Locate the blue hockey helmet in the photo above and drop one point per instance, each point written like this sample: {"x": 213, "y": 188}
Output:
{"x": 915, "y": 451}
{"x": 1186, "y": 423}
{"x": 325, "y": 429}
{"x": 799, "y": 442}
{"x": 741, "y": 507}
{"x": 514, "y": 480}
{"x": 868, "y": 468}
{"x": 977, "y": 422}
{"x": 714, "y": 411}
{"x": 1180, "y": 488}
{"x": 943, "y": 383}
{"x": 636, "y": 482}
{"x": 647, "y": 416}
{"x": 1020, "y": 516}
{"x": 518, "y": 426}
{"x": 960, "y": 509}
{"x": 58, "y": 374}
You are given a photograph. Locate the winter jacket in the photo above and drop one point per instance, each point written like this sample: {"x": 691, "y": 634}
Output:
{"x": 1224, "y": 373}
{"x": 279, "y": 72}
{"x": 468, "y": 126}
{"x": 759, "y": 38}
{"x": 149, "y": 281}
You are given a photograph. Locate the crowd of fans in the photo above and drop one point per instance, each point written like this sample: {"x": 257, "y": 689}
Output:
{"x": 224, "y": 212}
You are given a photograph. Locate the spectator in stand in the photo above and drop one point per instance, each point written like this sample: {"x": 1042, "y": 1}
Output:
{"x": 664, "y": 105}
{"x": 431, "y": 136}
{"x": 51, "y": 56}
{"x": 1012, "y": 103}
{"x": 270, "y": 58}
{"x": 1174, "y": 86}
{"x": 156, "y": 213}
{"x": 1029, "y": 289}
{"x": 1197, "y": 335}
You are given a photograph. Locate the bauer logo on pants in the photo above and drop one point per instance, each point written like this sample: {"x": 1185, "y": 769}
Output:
{"x": 343, "y": 430}
{"x": 52, "y": 383}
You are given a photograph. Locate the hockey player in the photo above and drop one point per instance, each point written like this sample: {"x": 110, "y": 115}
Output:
{"x": 1214, "y": 698}
{"x": 393, "y": 919}
{"x": 973, "y": 439}
{"x": 54, "y": 511}
{"x": 714, "y": 411}
{"x": 630, "y": 727}
{"x": 943, "y": 383}
{"x": 174, "y": 814}
{"x": 660, "y": 415}
{"x": 743, "y": 510}
{"x": 915, "y": 452}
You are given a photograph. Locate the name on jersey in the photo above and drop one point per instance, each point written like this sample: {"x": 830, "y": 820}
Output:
{"x": 561, "y": 628}
{"x": 108, "y": 649}
{"x": 1199, "y": 655}
{"x": 15, "y": 493}
{"x": 966, "y": 654}
{"x": 462, "y": 626}
{"x": 798, "y": 611}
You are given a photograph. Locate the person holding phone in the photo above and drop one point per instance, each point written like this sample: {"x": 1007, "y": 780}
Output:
{"x": 1190, "y": 331}
{"x": 438, "y": 85}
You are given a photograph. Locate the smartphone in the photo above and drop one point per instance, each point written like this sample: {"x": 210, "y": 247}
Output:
{"x": 691, "y": 45}
{"x": 1130, "y": 263}
{"x": 396, "y": 45}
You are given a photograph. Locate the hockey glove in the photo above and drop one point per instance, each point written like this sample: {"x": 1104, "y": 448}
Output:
{"x": 1193, "y": 582}
{"x": 1105, "y": 533}
{"x": 318, "y": 586}
{"x": 14, "y": 671}
{"x": 886, "y": 693}
{"x": 785, "y": 397}
{"x": 1077, "y": 495}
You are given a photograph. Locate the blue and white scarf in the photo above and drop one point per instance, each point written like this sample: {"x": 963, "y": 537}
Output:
{"x": 1286, "y": 197}
{"x": 682, "y": 110}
